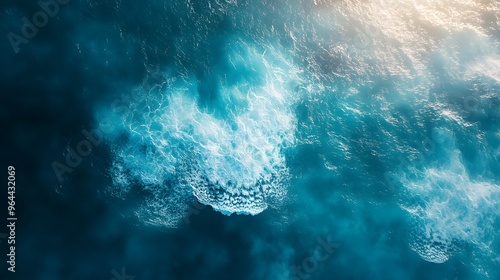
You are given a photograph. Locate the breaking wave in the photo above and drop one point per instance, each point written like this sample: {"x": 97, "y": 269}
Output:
{"x": 229, "y": 153}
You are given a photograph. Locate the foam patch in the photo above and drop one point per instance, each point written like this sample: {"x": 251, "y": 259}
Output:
{"x": 230, "y": 154}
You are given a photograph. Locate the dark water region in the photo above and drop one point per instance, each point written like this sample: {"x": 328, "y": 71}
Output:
{"x": 252, "y": 140}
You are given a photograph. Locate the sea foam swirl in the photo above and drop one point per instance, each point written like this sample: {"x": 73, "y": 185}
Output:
{"x": 228, "y": 153}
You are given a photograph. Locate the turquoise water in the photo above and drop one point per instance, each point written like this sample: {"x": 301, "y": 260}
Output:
{"x": 247, "y": 135}
{"x": 386, "y": 110}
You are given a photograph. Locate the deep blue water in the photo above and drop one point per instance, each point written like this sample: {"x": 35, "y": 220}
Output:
{"x": 234, "y": 139}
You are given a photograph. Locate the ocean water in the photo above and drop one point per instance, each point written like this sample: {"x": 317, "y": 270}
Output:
{"x": 232, "y": 139}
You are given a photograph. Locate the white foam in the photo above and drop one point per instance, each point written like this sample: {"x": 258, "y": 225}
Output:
{"x": 231, "y": 156}
{"x": 449, "y": 207}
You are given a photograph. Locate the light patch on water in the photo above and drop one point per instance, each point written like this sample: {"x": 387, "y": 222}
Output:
{"x": 403, "y": 40}
{"x": 488, "y": 67}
